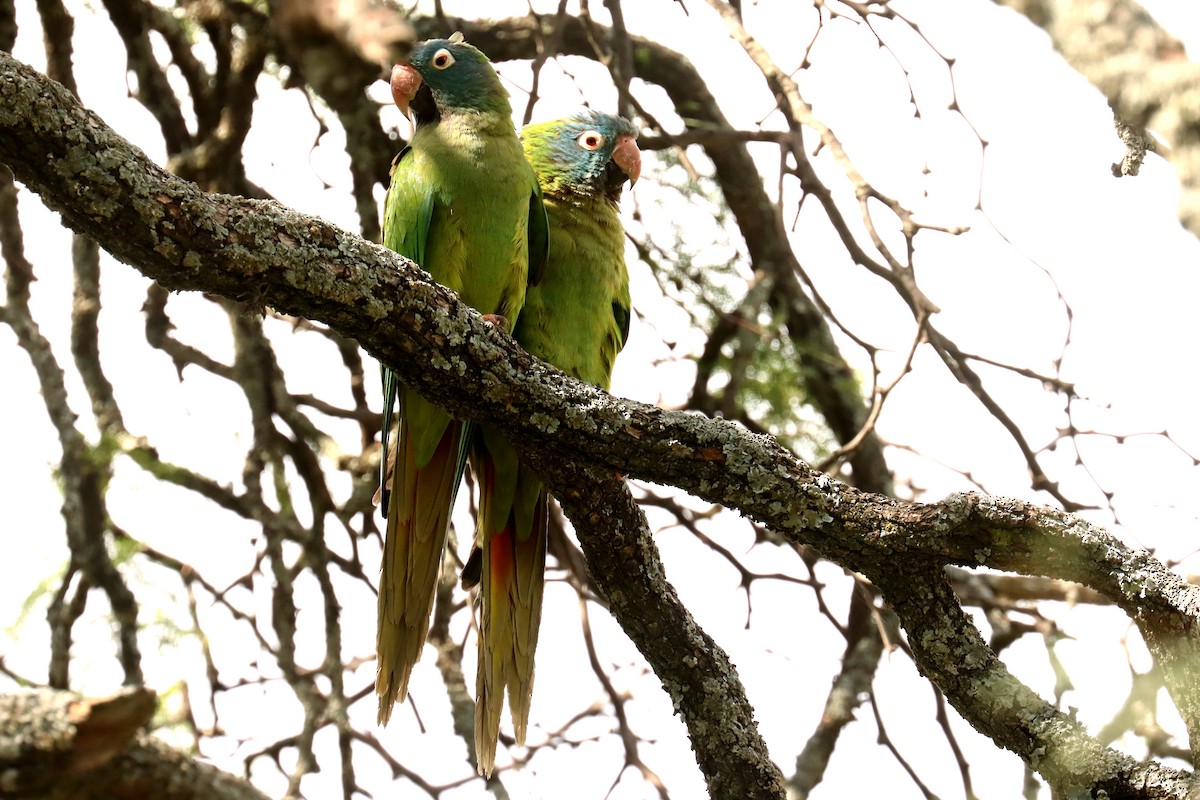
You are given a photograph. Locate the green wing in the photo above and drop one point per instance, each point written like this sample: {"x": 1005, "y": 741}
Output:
{"x": 578, "y": 316}
{"x": 408, "y": 209}
{"x": 621, "y": 314}
{"x": 539, "y": 237}
{"x": 407, "y": 218}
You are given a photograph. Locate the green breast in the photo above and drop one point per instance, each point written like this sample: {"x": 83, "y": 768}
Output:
{"x": 568, "y": 318}
{"x": 477, "y": 239}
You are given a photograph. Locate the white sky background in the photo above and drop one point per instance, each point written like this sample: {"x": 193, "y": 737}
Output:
{"x": 1113, "y": 247}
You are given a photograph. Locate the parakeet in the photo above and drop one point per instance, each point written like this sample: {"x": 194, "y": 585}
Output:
{"x": 465, "y": 205}
{"x": 576, "y": 318}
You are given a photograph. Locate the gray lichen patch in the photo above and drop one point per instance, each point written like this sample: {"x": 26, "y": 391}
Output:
{"x": 544, "y": 422}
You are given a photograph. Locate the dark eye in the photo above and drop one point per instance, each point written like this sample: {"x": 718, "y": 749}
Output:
{"x": 591, "y": 140}
{"x": 442, "y": 59}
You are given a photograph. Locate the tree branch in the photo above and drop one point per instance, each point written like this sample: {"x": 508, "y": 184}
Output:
{"x": 696, "y": 673}
{"x": 57, "y": 745}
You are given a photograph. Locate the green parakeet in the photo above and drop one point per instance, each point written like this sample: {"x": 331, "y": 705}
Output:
{"x": 465, "y": 205}
{"x": 577, "y": 318}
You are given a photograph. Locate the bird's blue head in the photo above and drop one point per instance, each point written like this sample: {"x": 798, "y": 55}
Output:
{"x": 589, "y": 154}
{"x": 448, "y": 75}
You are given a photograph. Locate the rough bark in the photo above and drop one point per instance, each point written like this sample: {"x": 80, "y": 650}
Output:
{"x": 59, "y": 746}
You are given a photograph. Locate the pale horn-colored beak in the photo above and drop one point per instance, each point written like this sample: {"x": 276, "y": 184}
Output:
{"x": 405, "y": 83}
{"x": 628, "y": 157}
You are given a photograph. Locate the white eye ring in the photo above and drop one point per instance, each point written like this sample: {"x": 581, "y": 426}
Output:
{"x": 591, "y": 140}
{"x": 442, "y": 59}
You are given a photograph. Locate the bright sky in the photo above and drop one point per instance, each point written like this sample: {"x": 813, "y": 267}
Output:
{"x": 1113, "y": 247}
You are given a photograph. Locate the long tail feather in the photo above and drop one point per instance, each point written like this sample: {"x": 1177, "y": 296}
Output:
{"x": 386, "y": 455}
{"x": 511, "y": 585}
{"x": 418, "y": 517}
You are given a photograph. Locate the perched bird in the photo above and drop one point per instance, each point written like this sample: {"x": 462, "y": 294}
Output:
{"x": 576, "y": 318}
{"x": 465, "y": 205}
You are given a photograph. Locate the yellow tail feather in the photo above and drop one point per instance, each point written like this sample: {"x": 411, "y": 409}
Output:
{"x": 418, "y": 519}
{"x": 511, "y": 586}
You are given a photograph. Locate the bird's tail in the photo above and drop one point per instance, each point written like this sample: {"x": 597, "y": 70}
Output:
{"x": 510, "y": 598}
{"x": 419, "y": 508}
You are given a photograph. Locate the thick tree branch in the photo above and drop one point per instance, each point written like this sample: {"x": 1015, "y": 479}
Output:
{"x": 261, "y": 253}
{"x": 58, "y": 746}
{"x": 694, "y": 670}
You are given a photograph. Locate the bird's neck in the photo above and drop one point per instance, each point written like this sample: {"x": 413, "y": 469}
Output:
{"x": 473, "y": 134}
{"x": 471, "y": 122}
